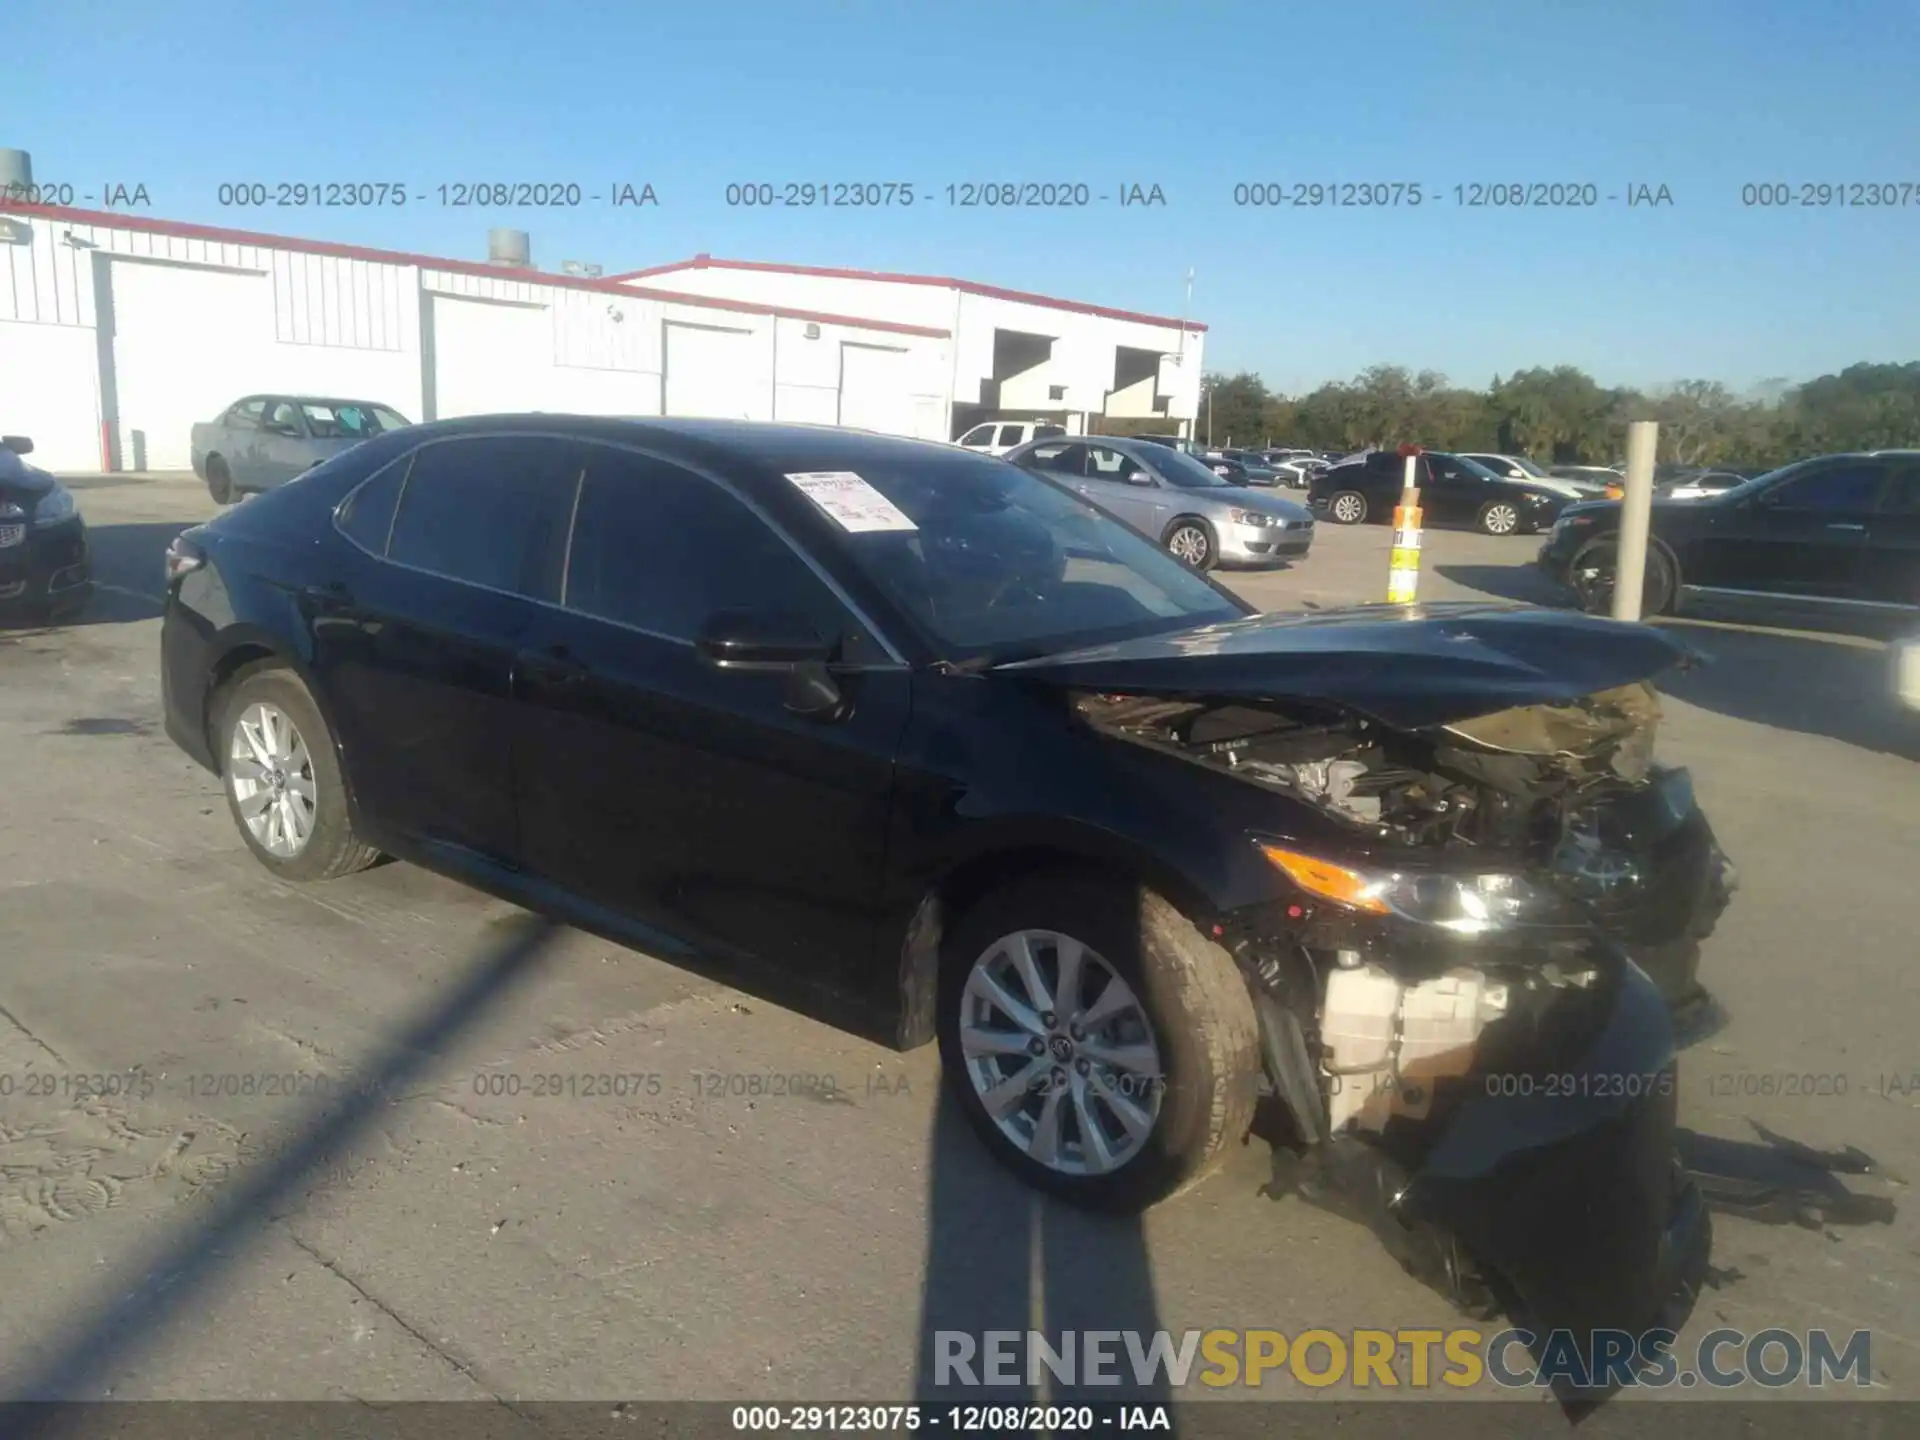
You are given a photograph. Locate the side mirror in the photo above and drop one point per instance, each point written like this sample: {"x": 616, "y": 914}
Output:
{"x": 766, "y": 643}
{"x": 19, "y": 444}
{"x": 1139, "y": 477}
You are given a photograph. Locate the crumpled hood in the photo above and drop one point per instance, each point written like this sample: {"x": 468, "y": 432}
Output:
{"x": 1408, "y": 666}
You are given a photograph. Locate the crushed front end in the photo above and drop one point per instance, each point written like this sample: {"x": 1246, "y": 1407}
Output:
{"x": 1468, "y": 987}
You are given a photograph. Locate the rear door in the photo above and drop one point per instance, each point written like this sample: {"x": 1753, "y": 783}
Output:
{"x": 1802, "y": 538}
{"x": 1890, "y": 563}
{"x": 419, "y": 642}
{"x": 688, "y": 797}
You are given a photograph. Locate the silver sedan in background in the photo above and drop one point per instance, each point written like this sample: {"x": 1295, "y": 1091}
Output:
{"x": 1175, "y": 499}
{"x": 266, "y": 440}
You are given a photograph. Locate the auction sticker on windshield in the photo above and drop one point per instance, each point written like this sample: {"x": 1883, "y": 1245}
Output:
{"x": 851, "y": 502}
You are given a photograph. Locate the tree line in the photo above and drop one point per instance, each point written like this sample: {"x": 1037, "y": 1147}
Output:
{"x": 1563, "y": 416}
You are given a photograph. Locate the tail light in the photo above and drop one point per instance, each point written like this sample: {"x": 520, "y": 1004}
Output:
{"x": 183, "y": 558}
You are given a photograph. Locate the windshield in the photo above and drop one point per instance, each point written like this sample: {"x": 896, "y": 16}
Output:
{"x": 340, "y": 419}
{"x": 1177, "y": 467}
{"x": 1472, "y": 467}
{"x": 1004, "y": 565}
{"x": 1747, "y": 487}
{"x": 1529, "y": 466}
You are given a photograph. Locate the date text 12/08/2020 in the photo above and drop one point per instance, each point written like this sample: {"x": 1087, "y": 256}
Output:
{"x": 457, "y": 195}
{"x": 1476, "y": 195}
{"x": 967, "y": 195}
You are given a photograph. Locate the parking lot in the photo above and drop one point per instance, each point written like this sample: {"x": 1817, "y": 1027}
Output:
{"x": 723, "y": 1198}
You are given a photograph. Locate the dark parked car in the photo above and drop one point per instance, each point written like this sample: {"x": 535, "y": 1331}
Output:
{"x": 1836, "y": 531}
{"x": 1254, "y": 468}
{"x": 1201, "y": 515}
{"x": 46, "y": 570}
{"x": 933, "y": 732}
{"x": 1453, "y": 491}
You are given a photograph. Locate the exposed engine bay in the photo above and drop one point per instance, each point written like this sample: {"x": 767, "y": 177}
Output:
{"x": 1507, "y": 781}
{"x": 1551, "y": 815}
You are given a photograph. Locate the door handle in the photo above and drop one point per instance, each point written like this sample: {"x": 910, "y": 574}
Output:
{"x": 1840, "y": 526}
{"x": 333, "y": 595}
{"x": 553, "y": 666}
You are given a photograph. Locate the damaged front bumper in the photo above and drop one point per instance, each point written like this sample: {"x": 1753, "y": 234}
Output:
{"x": 1552, "y": 1194}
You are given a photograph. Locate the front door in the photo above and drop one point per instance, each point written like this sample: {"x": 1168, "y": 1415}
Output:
{"x": 1890, "y": 566}
{"x": 1803, "y": 537}
{"x": 277, "y": 451}
{"x": 688, "y": 797}
{"x": 1124, "y": 487}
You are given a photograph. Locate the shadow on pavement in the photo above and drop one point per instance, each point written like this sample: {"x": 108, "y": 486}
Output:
{"x": 129, "y": 575}
{"x": 1836, "y": 684}
{"x": 127, "y": 1316}
{"x": 1002, "y": 1256}
{"x": 1833, "y": 686}
{"x": 1507, "y": 582}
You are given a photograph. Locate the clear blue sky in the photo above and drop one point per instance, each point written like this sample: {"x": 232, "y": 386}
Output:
{"x": 1699, "y": 95}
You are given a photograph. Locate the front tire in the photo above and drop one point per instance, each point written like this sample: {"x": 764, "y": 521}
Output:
{"x": 1594, "y": 570}
{"x": 1148, "y": 1057}
{"x": 1192, "y": 541}
{"x": 282, "y": 777}
{"x": 1500, "y": 517}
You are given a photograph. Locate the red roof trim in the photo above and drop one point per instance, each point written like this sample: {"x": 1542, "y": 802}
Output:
{"x": 945, "y": 282}
{"x": 181, "y": 229}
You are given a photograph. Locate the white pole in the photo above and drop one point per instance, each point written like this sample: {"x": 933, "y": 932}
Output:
{"x": 1636, "y": 510}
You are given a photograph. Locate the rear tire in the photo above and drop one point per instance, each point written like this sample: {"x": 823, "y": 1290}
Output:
{"x": 310, "y": 796}
{"x": 219, "y": 481}
{"x": 1193, "y": 1018}
{"x": 1347, "y": 507}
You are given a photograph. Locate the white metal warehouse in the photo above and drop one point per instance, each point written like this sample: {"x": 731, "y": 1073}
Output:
{"x": 118, "y": 332}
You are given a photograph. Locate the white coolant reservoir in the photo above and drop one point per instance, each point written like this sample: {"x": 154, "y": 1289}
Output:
{"x": 1357, "y": 1027}
{"x": 1385, "y": 1042}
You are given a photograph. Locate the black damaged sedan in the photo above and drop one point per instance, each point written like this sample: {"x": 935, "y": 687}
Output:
{"x": 46, "y": 572}
{"x": 943, "y": 738}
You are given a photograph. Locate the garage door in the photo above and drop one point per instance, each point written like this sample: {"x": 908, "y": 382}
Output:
{"x": 490, "y": 359}
{"x": 874, "y": 389}
{"x": 713, "y": 372}
{"x": 187, "y": 343}
{"x": 48, "y": 374}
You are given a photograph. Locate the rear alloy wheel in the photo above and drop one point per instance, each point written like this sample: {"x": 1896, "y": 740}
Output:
{"x": 283, "y": 780}
{"x": 1191, "y": 541}
{"x": 219, "y": 481}
{"x": 1500, "y": 517}
{"x": 1101, "y": 1047}
{"x": 1594, "y": 570}
{"x": 1349, "y": 507}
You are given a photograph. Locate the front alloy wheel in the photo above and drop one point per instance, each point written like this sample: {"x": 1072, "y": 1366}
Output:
{"x": 1060, "y": 1052}
{"x": 1191, "y": 543}
{"x": 271, "y": 775}
{"x": 1500, "y": 518}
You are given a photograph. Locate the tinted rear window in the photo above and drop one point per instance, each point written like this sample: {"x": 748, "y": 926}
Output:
{"x": 486, "y": 510}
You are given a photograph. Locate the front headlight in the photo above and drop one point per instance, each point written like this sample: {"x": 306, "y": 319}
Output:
{"x": 1255, "y": 517}
{"x": 56, "y": 505}
{"x": 1465, "y": 904}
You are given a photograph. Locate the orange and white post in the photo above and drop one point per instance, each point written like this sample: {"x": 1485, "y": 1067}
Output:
{"x": 1403, "y": 575}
